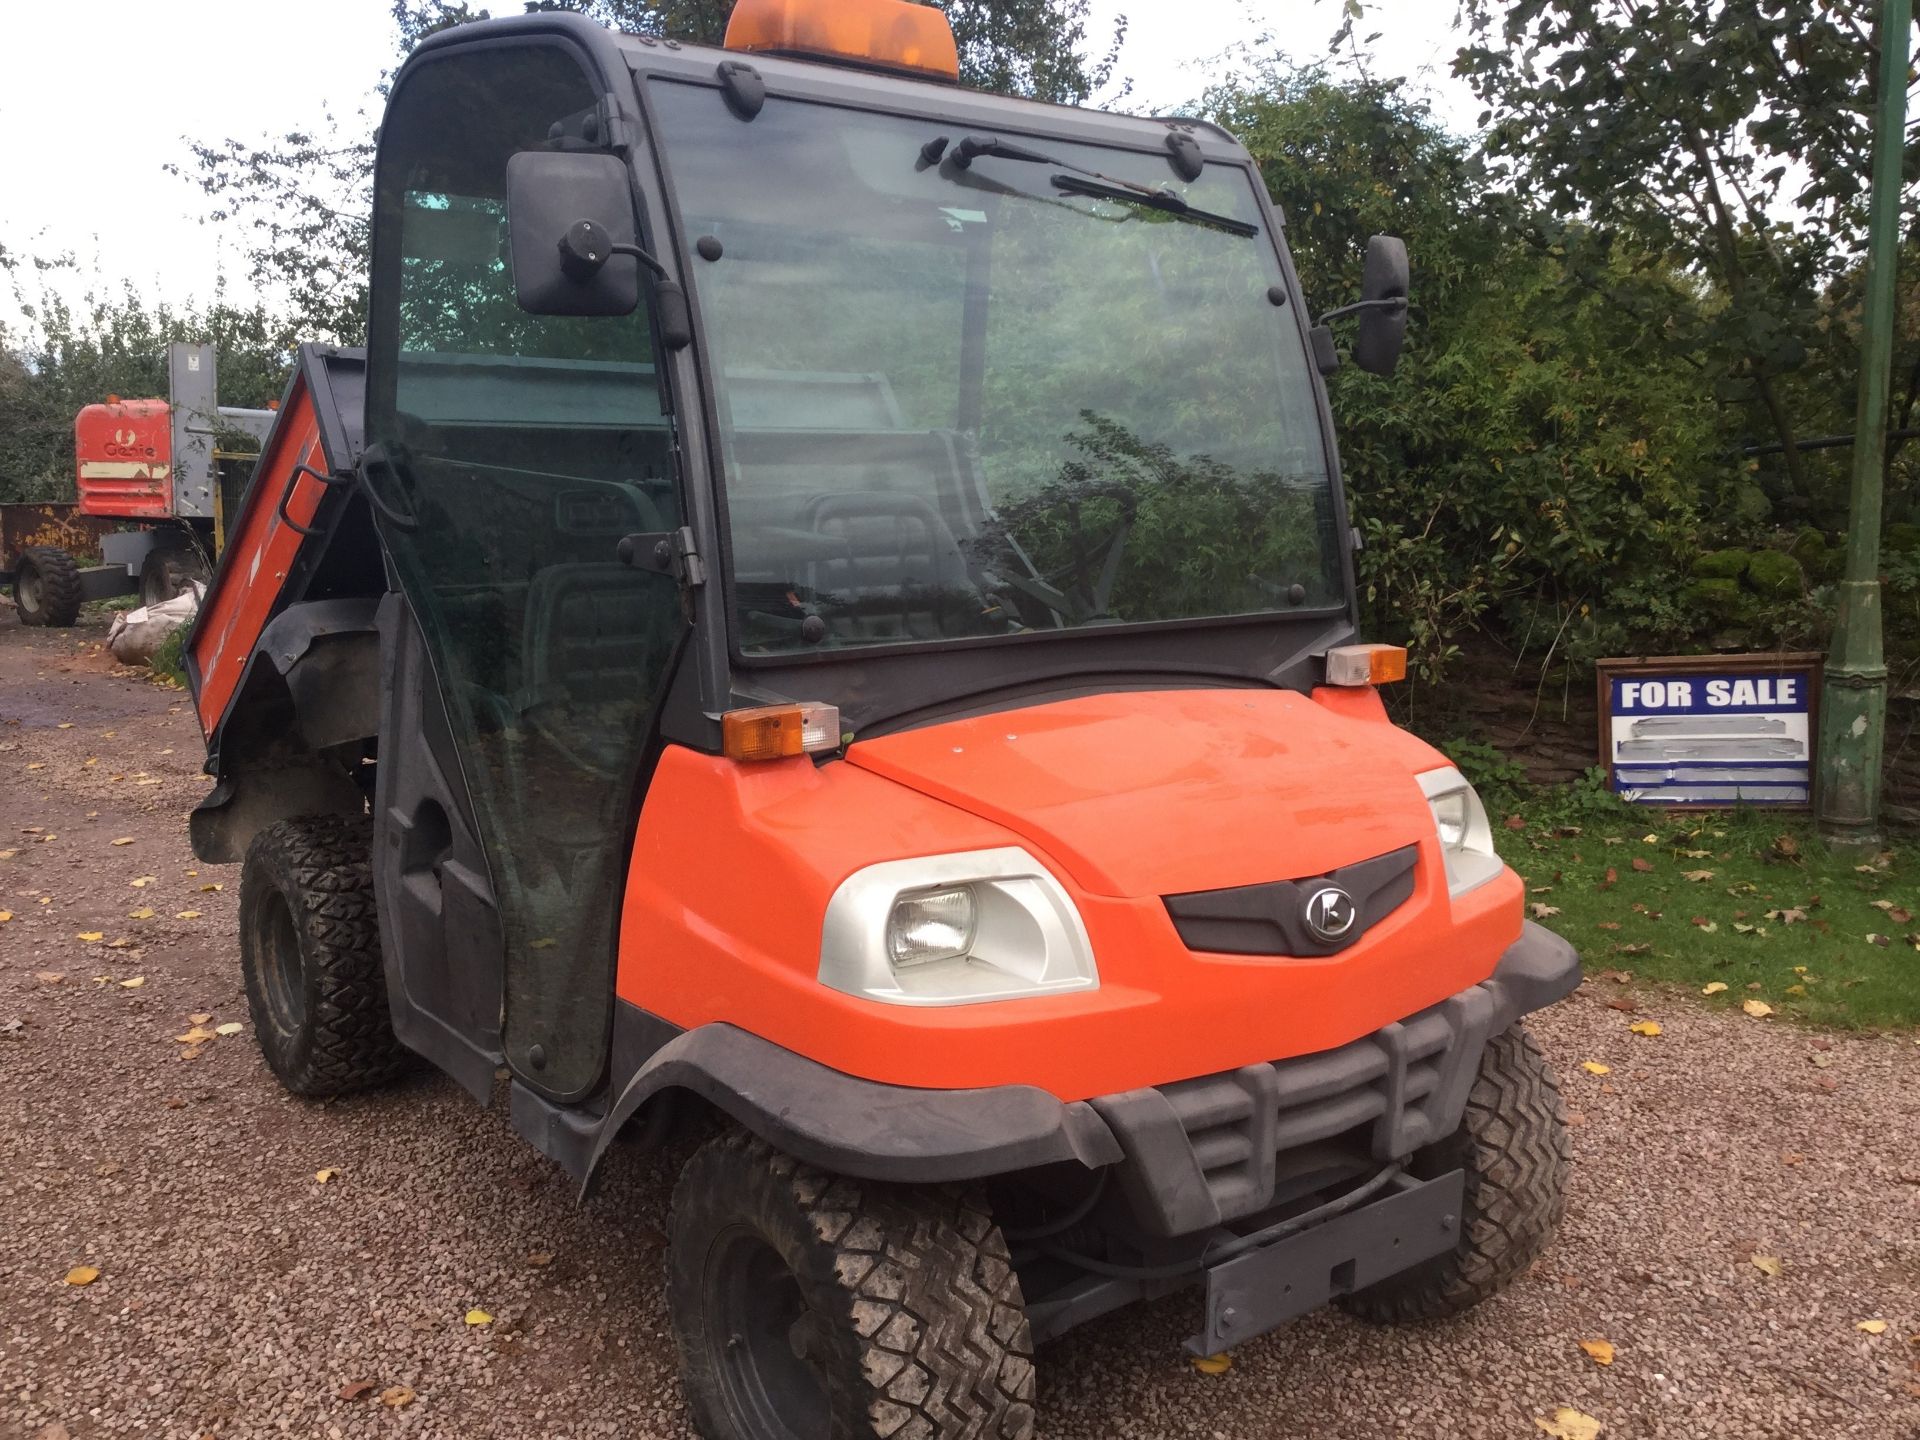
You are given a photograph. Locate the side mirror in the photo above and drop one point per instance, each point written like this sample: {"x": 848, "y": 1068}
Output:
{"x": 1383, "y": 324}
{"x": 569, "y": 214}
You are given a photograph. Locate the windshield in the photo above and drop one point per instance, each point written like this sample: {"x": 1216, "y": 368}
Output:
{"x": 968, "y": 391}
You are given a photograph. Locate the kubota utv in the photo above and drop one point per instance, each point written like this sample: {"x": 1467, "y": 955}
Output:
{"x": 825, "y": 614}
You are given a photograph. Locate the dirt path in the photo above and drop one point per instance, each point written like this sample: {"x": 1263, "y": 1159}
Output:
{"x": 237, "y": 1295}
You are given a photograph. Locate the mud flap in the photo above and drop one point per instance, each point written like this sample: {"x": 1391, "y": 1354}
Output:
{"x": 1250, "y": 1294}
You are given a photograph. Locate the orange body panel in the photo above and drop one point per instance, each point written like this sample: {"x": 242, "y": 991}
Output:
{"x": 123, "y": 459}
{"x": 260, "y": 551}
{"x": 1124, "y": 798}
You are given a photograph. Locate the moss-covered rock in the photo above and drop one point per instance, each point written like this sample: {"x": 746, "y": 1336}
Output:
{"x": 1902, "y": 536}
{"x": 1722, "y": 601}
{"x": 1721, "y": 564}
{"x": 1775, "y": 575}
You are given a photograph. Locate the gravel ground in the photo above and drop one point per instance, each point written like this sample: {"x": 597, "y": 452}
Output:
{"x": 238, "y": 1295}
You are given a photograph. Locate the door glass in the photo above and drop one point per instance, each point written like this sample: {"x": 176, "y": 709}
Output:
{"x": 524, "y": 447}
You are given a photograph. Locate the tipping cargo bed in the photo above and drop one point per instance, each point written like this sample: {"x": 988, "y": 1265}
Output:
{"x": 285, "y": 525}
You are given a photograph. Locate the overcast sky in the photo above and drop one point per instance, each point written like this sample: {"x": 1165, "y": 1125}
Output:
{"x": 95, "y": 103}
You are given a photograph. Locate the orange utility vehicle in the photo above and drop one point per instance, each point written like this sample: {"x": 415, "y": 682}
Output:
{"x": 825, "y": 612}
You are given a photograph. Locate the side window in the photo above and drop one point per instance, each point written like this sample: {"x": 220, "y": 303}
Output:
{"x": 524, "y": 447}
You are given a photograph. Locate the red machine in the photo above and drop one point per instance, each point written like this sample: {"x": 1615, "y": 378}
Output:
{"x": 173, "y": 467}
{"x": 123, "y": 458}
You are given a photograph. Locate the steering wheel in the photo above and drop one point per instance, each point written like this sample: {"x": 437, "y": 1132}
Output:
{"x": 1081, "y": 590}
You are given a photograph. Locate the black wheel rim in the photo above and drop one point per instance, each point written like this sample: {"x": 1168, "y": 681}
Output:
{"x": 279, "y": 940}
{"x": 761, "y": 1326}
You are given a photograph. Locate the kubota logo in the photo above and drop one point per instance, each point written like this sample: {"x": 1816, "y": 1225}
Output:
{"x": 1331, "y": 913}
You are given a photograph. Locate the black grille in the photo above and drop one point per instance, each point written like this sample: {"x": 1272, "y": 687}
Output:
{"x": 1270, "y": 919}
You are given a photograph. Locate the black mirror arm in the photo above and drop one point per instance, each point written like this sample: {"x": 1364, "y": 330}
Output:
{"x": 1392, "y": 305}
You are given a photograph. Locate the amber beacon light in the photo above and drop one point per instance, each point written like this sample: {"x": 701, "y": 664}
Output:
{"x": 884, "y": 34}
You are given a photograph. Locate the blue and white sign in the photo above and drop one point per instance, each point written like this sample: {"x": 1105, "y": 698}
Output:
{"x": 1739, "y": 735}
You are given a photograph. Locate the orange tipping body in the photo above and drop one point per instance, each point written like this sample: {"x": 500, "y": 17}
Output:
{"x": 1126, "y": 798}
{"x": 259, "y": 553}
{"x": 123, "y": 459}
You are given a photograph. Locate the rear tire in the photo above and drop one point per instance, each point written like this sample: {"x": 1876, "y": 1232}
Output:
{"x": 1512, "y": 1144}
{"x": 310, "y": 954}
{"x": 173, "y": 562}
{"x": 810, "y": 1307}
{"x": 46, "y": 587}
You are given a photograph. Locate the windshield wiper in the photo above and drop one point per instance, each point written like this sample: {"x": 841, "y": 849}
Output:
{"x": 1162, "y": 200}
{"x": 1082, "y": 181}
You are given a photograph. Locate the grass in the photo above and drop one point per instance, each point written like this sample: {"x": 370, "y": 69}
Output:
{"x": 1749, "y": 900}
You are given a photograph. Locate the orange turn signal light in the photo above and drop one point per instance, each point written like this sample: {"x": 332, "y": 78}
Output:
{"x": 1366, "y": 664}
{"x": 888, "y": 34}
{"x": 778, "y": 732}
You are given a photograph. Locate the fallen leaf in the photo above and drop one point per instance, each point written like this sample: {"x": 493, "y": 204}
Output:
{"x": 200, "y": 1017}
{"x": 64, "y": 725}
{"x": 1696, "y": 876}
{"x": 193, "y": 1052}
{"x": 124, "y": 840}
{"x": 1600, "y": 1350}
{"x": 198, "y": 1035}
{"x": 1715, "y": 988}
{"x": 1645, "y": 947}
{"x": 355, "y": 1390}
{"x": 1881, "y": 940}
{"x": 91, "y": 936}
{"x": 1645, "y": 1027}
{"x": 1758, "y": 1009}
{"x": 82, "y": 1275}
{"x": 1606, "y": 924}
{"x": 1642, "y": 864}
{"x": 1594, "y": 1067}
{"x": 1613, "y": 879}
{"x": 479, "y": 1317}
{"x": 1624, "y": 1006}
{"x": 1819, "y": 1061}
{"x": 1542, "y": 911}
{"x": 207, "y": 889}
{"x": 1767, "y": 1265}
{"x": 1707, "y": 927}
{"x": 1569, "y": 1424}
{"x": 134, "y": 984}
{"x": 232, "y": 1027}
{"x": 395, "y": 1396}
{"x": 540, "y": 1257}
{"x": 1796, "y": 990}
{"x": 1220, "y": 1364}
{"x": 1618, "y": 977}
{"x": 145, "y": 912}
{"x": 49, "y": 977}
{"x": 140, "y": 882}
{"x": 323, "y": 1176}
{"x": 1872, "y": 1327}
{"x": 187, "y": 915}
{"x": 5, "y": 915}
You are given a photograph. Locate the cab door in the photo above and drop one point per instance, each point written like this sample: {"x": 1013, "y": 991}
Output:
{"x": 508, "y": 453}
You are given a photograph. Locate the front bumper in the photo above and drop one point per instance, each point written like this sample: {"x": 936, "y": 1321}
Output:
{"x": 1189, "y": 1155}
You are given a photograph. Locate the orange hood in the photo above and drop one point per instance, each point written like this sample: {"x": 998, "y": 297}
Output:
{"x": 1164, "y": 792}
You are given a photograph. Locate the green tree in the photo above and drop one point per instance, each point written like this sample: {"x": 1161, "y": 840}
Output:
{"x": 1726, "y": 136}
{"x": 1540, "y": 460}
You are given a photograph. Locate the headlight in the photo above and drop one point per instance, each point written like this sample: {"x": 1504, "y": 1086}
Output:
{"x": 931, "y": 925}
{"x": 1466, "y": 839}
{"x": 955, "y": 930}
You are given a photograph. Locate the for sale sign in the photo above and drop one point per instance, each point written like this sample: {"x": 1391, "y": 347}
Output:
{"x": 1711, "y": 730}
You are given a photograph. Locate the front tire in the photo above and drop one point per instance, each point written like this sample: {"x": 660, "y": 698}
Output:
{"x": 811, "y": 1307}
{"x": 1512, "y": 1144}
{"x": 310, "y": 954}
{"x": 46, "y": 587}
